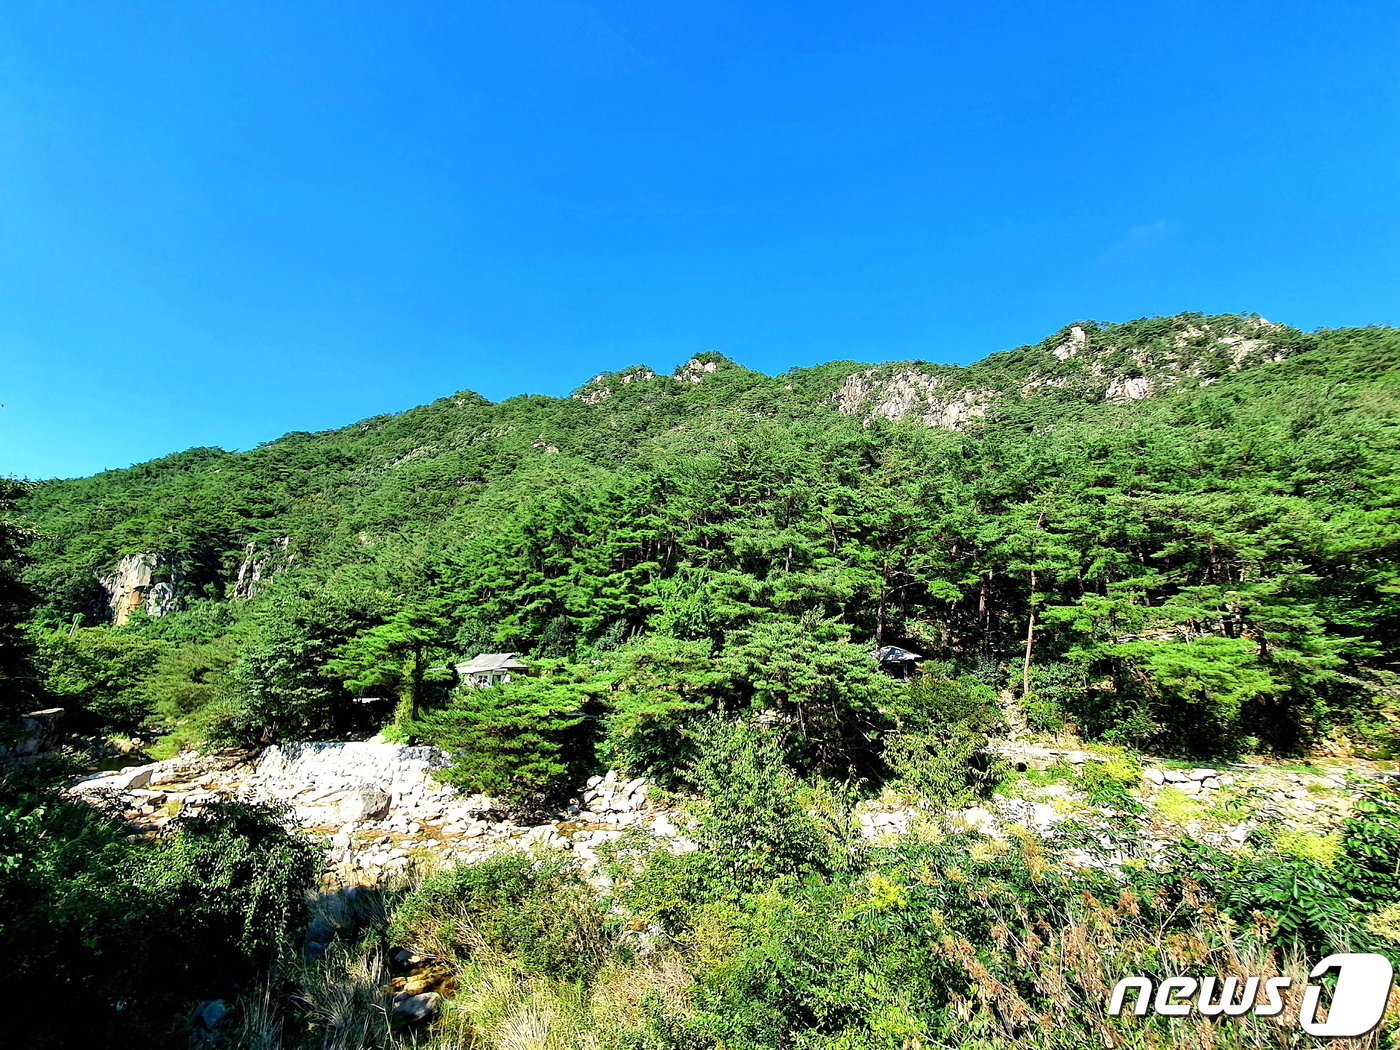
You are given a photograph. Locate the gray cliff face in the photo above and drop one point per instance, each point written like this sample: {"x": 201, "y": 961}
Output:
{"x": 260, "y": 564}
{"x": 910, "y": 394}
{"x": 151, "y": 580}
{"x": 1087, "y": 361}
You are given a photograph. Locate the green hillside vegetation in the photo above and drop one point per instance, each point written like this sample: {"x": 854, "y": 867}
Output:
{"x": 697, "y": 569}
{"x": 1208, "y": 569}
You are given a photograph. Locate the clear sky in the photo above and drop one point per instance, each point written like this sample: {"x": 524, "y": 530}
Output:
{"x": 223, "y": 221}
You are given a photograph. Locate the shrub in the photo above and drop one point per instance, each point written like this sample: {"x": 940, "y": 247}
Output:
{"x": 751, "y": 819}
{"x": 1369, "y": 864}
{"x": 665, "y": 887}
{"x": 239, "y": 877}
{"x": 99, "y": 675}
{"x": 1111, "y": 782}
{"x": 1177, "y": 806}
{"x": 937, "y": 751}
{"x": 536, "y": 911}
{"x": 1316, "y": 849}
{"x": 86, "y": 912}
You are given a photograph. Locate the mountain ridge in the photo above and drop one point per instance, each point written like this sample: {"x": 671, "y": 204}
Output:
{"x": 212, "y": 514}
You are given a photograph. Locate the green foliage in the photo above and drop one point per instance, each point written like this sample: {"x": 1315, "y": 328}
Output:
{"x": 751, "y": 819}
{"x": 1290, "y": 898}
{"x": 808, "y": 676}
{"x": 19, "y": 684}
{"x": 236, "y": 870}
{"x": 540, "y": 913}
{"x": 1203, "y": 565}
{"x": 190, "y": 695}
{"x": 1112, "y": 782}
{"x": 1369, "y": 864}
{"x": 214, "y": 901}
{"x": 99, "y": 675}
{"x": 280, "y": 687}
{"x": 937, "y": 748}
{"x": 398, "y": 654}
{"x": 1316, "y": 849}
{"x": 664, "y": 887}
{"x": 522, "y": 741}
{"x": 656, "y": 685}
{"x": 1177, "y": 806}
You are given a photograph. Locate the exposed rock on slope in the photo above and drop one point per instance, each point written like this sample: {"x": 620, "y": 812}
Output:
{"x": 934, "y": 399}
{"x": 149, "y": 579}
{"x": 1114, "y": 363}
{"x": 600, "y": 387}
{"x": 1193, "y": 355}
{"x": 377, "y": 805}
{"x": 260, "y": 563}
{"x": 604, "y": 385}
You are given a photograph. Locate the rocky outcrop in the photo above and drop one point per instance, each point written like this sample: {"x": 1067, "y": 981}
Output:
{"x": 606, "y": 384}
{"x": 378, "y": 809}
{"x": 40, "y": 733}
{"x": 336, "y": 766}
{"x": 260, "y": 563}
{"x": 600, "y": 387}
{"x": 377, "y": 806}
{"x": 150, "y": 579}
{"x": 1187, "y": 357}
{"x": 934, "y": 400}
{"x": 1093, "y": 362}
{"x": 1074, "y": 342}
{"x": 695, "y": 370}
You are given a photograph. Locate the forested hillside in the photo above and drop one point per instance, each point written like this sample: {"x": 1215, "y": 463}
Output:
{"x": 1178, "y": 533}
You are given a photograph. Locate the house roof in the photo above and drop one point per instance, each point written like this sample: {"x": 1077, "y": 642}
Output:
{"x": 893, "y": 654}
{"x": 490, "y": 662}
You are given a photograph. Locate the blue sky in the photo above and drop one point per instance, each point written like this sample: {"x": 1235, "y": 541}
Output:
{"x": 223, "y": 221}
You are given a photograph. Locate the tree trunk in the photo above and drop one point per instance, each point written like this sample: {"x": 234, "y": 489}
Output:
{"x": 1030, "y": 619}
{"x": 1030, "y": 640}
{"x": 415, "y": 683}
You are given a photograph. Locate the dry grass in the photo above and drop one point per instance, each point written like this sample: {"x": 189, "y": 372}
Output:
{"x": 499, "y": 1008}
{"x": 1047, "y": 983}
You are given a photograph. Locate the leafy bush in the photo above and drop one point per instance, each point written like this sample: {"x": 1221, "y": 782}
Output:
{"x": 1369, "y": 864}
{"x": 86, "y": 912}
{"x": 1111, "y": 783}
{"x": 236, "y": 873}
{"x": 1310, "y": 847}
{"x": 537, "y": 912}
{"x": 937, "y": 750}
{"x": 751, "y": 819}
{"x": 1177, "y": 806}
{"x": 1275, "y": 898}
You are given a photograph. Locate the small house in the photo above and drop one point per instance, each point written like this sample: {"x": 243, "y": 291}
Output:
{"x": 898, "y": 662}
{"x": 489, "y": 669}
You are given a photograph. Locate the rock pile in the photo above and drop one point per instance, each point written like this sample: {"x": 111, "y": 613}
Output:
{"x": 378, "y": 807}
{"x": 611, "y": 802}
